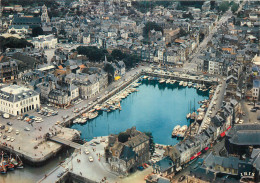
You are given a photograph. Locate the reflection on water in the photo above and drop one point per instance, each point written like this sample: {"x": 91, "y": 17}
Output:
{"x": 155, "y": 107}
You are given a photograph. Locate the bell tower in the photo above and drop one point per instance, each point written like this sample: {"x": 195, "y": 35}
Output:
{"x": 45, "y": 17}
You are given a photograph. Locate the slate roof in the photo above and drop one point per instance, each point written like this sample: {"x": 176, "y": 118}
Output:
{"x": 26, "y": 20}
{"x": 164, "y": 164}
{"x": 255, "y": 161}
{"x": 15, "y": 93}
{"x": 246, "y": 137}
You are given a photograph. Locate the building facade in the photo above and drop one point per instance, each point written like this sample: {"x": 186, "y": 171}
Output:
{"x": 17, "y": 100}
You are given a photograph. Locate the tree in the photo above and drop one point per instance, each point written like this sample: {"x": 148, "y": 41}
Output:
{"x": 117, "y": 54}
{"x": 151, "y": 142}
{"x": 37, "y": 31}
{"x": 92, "y": 52}
{"x": 110, "y": 71}
{"x": 123, "y": 137}
{"x": 234, "y": 7}
{"x": 151, "y": 26}
{"x": 224, "y": 5}
{"x": 12, "y": 42}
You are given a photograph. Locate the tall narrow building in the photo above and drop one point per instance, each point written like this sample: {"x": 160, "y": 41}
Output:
{"x": 45, "y": 17}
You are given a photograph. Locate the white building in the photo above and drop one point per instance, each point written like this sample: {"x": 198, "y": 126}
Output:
{"x": 45, "y": 42}
{"x": 16, "y": 100}
{"x": 255, "y": 90}
{"x": 18, "y": 29}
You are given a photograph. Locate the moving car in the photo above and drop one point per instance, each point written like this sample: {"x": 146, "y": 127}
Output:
{"x": 181, "y": 178}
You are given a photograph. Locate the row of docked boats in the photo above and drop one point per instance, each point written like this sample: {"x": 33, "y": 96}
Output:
{"x": 179, "y": 131}
{"x": 190, "y": 84}
{"x": 111, "y": 104}
{"x": 9, "y": 163}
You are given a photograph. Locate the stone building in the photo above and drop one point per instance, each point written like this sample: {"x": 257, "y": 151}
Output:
{"x": 16, "y": 100}
{"x": 125, "y": 157}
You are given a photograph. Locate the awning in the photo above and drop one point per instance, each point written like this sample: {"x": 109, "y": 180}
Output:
{"x": 117, "y": 78}
{"x": 206, "y": 148}
{"x": 192, "y": 157}
{"x": 223, "y": 134}
{"x": 228, "y": 127}
{"x": 199, "y": 153}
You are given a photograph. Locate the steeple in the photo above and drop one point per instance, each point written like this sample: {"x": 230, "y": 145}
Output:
{"x": 45, "y": 17}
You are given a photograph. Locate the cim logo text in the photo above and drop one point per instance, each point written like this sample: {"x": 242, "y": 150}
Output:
{"x": 247, "y": 174}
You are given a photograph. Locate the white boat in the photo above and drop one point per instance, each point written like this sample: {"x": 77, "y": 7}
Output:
{"x": 181, "y": 131}
{"x": 175, "y": 130}
{"x": 168, "y": 81}
{"x": 188, "y": 115}
{"x": 145, "y": 77}
{"x": 190, "y": 84}
{"x": 185, "y": 83}
{"x": 181, "y": 83}
{"x": 162, "y": 81}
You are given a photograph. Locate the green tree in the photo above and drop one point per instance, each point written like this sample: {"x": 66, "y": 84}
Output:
{"x": 117, "y": 54}
{"x": 151, "y": 26}
{"x": 37, "y": 31}
{"x": 224, "y": 5}
{"x": 151, "y": 142}
{"x": 92, "y": 52}
{"x": 234, "y": 7}
{"x": 12, "y": 42}
{"x": 110, "y": 71}
{"x": 123, "y": 137}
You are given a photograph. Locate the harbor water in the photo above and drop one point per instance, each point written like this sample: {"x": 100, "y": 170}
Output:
{"x": 156, "y": 108}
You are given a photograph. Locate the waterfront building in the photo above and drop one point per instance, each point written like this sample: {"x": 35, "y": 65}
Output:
{"x": 125, "y": 156}
{"x": 17, "y": 100}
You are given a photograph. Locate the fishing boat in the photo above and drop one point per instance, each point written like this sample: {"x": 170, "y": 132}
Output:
{"x": 190, "y": 84}
{"x": 172, "y": 82}
{"x": 181, "y": 83}
{"x": 168, "y": 81}
{"x": 193, "y": 116}
{"x": 185, "y": 83}
{"x": 175, "y": 130}
{"x": 181, "y": 131}
{"x": 20, "y": 163}
{"x": 188, "y": 115}
{"x": 93, "y": 115}
{"x": 14, "y": 161}
{"x": 145, "y": 77}
{"x": 2, "y": 165}
{"x": 162, "y": 81}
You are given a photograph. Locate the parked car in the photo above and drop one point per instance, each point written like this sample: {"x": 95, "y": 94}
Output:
{"x": 181, "y": 178}
{"x": 90, "y": 159}
{"x": 9, "y": 123}
{"x": 253, "y": 110}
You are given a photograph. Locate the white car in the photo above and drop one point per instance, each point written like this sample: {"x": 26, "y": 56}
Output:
{"x": 27, "y": 129}
{"x": 10, "y": 130}
{"x": 12, "y": 139}
{"x": 17, "y": 132}
{"x": 90, "y": 159}
{"x": 8, "y": 138}
{"x": 87, "y": 152}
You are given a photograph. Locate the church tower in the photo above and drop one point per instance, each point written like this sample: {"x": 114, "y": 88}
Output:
{"x": 44, "y": 17}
